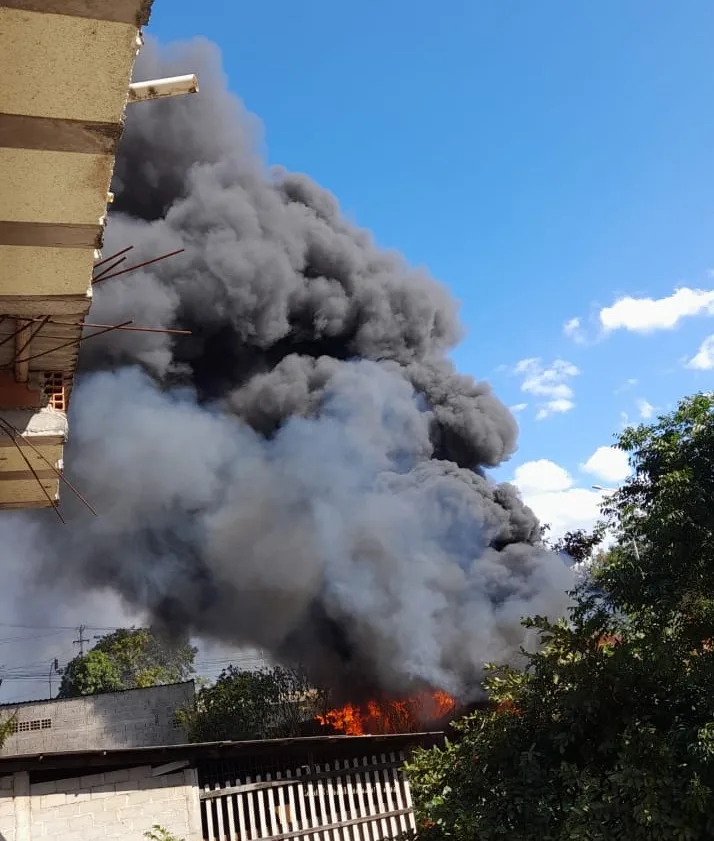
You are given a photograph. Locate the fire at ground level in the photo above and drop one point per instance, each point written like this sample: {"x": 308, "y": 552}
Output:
{"x": 426, "y": 710}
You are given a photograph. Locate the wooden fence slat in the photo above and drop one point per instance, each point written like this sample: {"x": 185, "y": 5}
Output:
{"x": 230, "y": 813}
{"x": 364, "y": 831}
{"x": 347, "y": 800}
{"x": 251, "y": 814}
{"x": 326, "y": 828}
{"x": 397, "y": 777}
{"x": 384, "y": 826}
{"x": 310, "y": 807}
{"x": 341, "y": 807}
{"x": 359, "y": 799}
{"x": 387, "y": 787}
{"x": 210, "y": 827}
{"x": 231, "y": 809}
{"x": 240, "y": 804}
{"x": 323, "y": 836}
{"x": 221, "y": 832}
{"x": 283, "y": 810}
{"x": 264, "y": 831}
{"x": 296, "y": 816}
{"x": 333, "y": 815}
{"x": 344, "y": 811}
{"x": 408, "y": 803}
{"x": 371, "y": 808}
{"x": 322, "y": 775}
{"x": 274, "y": 827}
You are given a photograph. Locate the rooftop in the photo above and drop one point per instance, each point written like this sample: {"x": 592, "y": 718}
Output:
{"x": 131, "y": 757}
{"x": 15, "y": 704}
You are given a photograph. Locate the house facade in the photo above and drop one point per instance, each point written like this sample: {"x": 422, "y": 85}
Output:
{"x": 328, "y": 788}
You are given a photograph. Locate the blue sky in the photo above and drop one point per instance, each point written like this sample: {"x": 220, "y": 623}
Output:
{"x": 544, "y": 160}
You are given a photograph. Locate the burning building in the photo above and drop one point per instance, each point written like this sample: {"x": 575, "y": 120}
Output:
{"x": 306, "y": 472}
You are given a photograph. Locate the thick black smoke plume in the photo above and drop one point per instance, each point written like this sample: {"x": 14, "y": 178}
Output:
{"x": 305, "y": 472}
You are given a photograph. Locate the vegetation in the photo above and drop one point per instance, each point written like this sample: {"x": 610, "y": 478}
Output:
{"x": 158, "y": 833}
{"x": 127, "y": 659}
{"x": 7, "y": 728}
{"x": 607, "y": 733}
{"x": 252, "y": 705}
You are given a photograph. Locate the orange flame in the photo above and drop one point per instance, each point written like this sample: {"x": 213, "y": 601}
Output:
{"x": 399, "y": 716}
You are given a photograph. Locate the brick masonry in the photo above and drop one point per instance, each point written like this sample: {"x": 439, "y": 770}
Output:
{"x": 114, "y": 805}
{"x": 135, "y": 718}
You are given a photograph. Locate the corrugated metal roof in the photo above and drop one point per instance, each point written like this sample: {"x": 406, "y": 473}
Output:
{"x": 205, "y": 751}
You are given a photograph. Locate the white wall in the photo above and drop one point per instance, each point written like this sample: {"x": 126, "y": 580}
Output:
{"x": 113, "y": 805}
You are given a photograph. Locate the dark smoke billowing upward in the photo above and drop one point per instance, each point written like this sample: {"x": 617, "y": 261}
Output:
{"x": 305, "y": 472}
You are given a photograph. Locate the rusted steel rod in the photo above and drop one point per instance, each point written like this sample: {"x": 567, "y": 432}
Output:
{"x": 112, "y": 257}
{"x": 139, "y": 266}
{"x": 52, "y": 502}
{"x": 10, "y": 336}
{"x": 75, "y": 341}
{"x": 83, "y": 324}
{"x": 18, "y": 435}
{"x": 109, "y": 268}
{"x": 132, "y": 329}
{"x": 29, "y": 339}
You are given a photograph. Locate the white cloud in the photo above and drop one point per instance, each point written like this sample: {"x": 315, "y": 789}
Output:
{"x": 548, "y": 489}
{"x": 608, "y": 464}
{"x": 645, "y": 408}
{"x": 703, "y": 360}
{"x": 519, "y": 407}
{"x": 549, "y": 384}
{"x": 626, "y": 386}
{"x": 645, "y": 315}
{"x": 554, "y": 407}
{"x": 540, "y": 476}
{"x": 573, "y": 330}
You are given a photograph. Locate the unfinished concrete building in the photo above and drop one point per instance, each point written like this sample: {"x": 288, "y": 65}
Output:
{"x": 66, "y": 81}
{"x": 66, "y": 70}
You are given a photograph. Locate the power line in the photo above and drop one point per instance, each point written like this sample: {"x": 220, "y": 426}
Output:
{"x": 58, "y": 627}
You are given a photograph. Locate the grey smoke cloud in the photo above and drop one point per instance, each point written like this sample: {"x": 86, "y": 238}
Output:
{"x": 306, "y": 472}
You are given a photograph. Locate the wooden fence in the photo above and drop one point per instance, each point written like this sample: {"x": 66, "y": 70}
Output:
{"x": 358, "y": 799}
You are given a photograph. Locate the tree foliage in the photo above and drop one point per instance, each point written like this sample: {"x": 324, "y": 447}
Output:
{"x": 261, "y": 704}
{"x": 158, "y": 833}
{"x": 7, "y": 728}
{"x": 607, "y": 733}
{"x": 127, "y": 659}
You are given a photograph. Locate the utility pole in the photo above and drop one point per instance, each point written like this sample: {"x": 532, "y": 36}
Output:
{"x": 54, "y": 669}
{"x": 82, "y": 639}
{"x": 632, "y": 540}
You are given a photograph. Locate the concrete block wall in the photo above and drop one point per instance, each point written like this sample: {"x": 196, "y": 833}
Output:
{"x": 135, "y": 718}
{"x": 117, "y": 805}
{"x": 7, "y": 808}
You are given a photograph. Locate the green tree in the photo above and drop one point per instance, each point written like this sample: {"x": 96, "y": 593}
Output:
{"x": 127, "y": 659}
{"x": 608, "y": 730}
{"x": 261, "y": 704}
{"x": 7, "y": 728}
{"x": 91, "y": 674}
